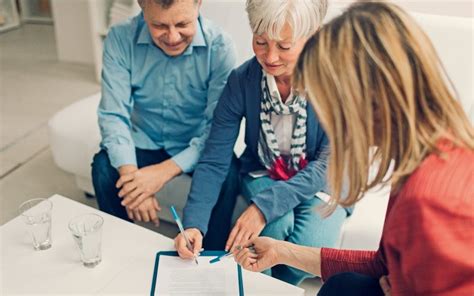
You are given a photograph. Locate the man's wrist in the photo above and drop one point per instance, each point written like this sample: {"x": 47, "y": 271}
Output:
{"x": 126, "y": 169}
{"x": 170, "y": 169}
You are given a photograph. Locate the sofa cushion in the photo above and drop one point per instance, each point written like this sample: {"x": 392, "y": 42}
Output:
{"x": 74, "y": 136}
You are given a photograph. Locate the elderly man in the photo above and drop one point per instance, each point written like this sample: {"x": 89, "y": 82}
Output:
{"x": 163, "y": 73}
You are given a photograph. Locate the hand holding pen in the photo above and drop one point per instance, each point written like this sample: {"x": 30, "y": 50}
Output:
{"x": 265, "y": 253}
{"x": 231, "y": 254}
{"x": 188, "y": 243}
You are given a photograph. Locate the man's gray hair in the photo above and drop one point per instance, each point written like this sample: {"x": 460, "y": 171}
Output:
{"x": 163, "y": 3}
{"x": 270, "y": 16}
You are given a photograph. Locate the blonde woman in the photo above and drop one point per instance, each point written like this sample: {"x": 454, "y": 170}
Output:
{"x": 283, "y": 165}
{"x": 374, "y": 79}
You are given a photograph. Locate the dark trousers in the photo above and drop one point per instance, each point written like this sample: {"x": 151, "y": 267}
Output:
{"x": 105, "y": 176}
{"x": 351, "y": 284}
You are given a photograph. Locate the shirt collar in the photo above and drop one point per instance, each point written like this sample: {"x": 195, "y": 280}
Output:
{"x": 199, "y": 39}
{"x": 145, "y": 38}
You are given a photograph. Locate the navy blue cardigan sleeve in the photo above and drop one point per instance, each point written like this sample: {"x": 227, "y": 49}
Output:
{"x": 213, "y": 166}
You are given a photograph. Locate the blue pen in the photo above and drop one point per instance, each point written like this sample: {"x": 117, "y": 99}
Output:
{"x": 230, "y": 254}
{"x": 181, "y": 229}
{"x": 219, "y": 258}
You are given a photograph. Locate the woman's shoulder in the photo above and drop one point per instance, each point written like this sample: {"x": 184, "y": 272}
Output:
{"x": 444, "y": 177}
{"x": 248, "y": 69}
{"x": 246, "y": 76}
{"x": 449, "y": 160}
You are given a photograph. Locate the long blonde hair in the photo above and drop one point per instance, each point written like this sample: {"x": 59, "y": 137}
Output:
{"x": 374, "y": 79}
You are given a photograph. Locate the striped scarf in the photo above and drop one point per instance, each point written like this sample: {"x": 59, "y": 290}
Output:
{"x": 268, "y": 150}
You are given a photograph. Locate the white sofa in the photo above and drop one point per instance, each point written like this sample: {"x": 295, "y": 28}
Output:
{"x": 74, "y": 134}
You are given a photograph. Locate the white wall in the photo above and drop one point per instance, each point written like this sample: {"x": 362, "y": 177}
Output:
{"x": 450, "y": 26}
{"x": 460, "y": 8}
{"x": 72, "y": 30}
{"x": 76, "y": 36}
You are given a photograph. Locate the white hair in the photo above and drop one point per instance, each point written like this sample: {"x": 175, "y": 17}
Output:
{"x": 270, "y": 16}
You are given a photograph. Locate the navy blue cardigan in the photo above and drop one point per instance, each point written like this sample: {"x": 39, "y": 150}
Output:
{"x": 241, "y": 99}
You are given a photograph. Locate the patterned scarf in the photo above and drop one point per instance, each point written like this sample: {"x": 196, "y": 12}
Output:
{"x": 268, "y": 150}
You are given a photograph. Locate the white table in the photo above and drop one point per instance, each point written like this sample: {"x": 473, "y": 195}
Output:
{"x": 128, "y": 256}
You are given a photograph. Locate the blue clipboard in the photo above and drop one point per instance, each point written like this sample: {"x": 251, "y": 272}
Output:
{"x": 204, "y": 253}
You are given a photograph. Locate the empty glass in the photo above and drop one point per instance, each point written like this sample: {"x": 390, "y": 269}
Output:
{"x": 37, "y": 215}
{"x": 87, "y": 232}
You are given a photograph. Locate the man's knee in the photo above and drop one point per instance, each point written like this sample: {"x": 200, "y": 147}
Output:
{"x": 102, "y": 170}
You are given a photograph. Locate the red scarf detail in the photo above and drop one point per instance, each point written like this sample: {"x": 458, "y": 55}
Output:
{"x": 281, "y": 171}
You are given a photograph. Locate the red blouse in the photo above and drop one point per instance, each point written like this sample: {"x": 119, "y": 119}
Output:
{"x": 427, "y": 244}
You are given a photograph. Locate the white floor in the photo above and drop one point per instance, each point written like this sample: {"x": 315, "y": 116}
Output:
{"x": 33, "y": 86}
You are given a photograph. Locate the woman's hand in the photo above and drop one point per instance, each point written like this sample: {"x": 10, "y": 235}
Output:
{"x": 195, "y": 238}
{"x": 268, "y": 252}
{"x": 385, "y": 285}
{"x": 248, "y": 226}
{"x": 262, "y": 255}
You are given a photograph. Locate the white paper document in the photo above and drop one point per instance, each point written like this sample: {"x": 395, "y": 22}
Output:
{"x": 177, "y": 277}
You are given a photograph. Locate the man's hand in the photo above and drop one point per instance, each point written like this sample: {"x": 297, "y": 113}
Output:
{"x": 146, "y": 211}
{"x": 248, "y": 226}
{"x": 127, "y": 169}
{"x": 264, "y": 254}
{"x": 145, "y": 182}
{"x": 195, "y": 238}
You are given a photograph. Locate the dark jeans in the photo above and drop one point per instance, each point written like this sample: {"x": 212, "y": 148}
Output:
{"x": 104, "y": 177}
{"x": 351, "y": 284}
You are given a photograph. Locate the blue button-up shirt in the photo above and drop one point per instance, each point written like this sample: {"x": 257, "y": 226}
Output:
{"x": 154, "y": 101}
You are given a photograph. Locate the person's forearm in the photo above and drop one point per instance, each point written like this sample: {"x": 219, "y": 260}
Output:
{"x": 276, "y": 201}
{"x": 169, "y": 168}
{"x": 304, "y": 258}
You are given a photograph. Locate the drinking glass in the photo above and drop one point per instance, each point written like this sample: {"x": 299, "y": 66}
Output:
{"x": 36, "y": 213}
{"x": 87, "y": 232}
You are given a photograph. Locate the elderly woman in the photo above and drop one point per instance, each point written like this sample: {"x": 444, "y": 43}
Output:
{"x": 374, "y": 79}
{"x": 283, "y": 165}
